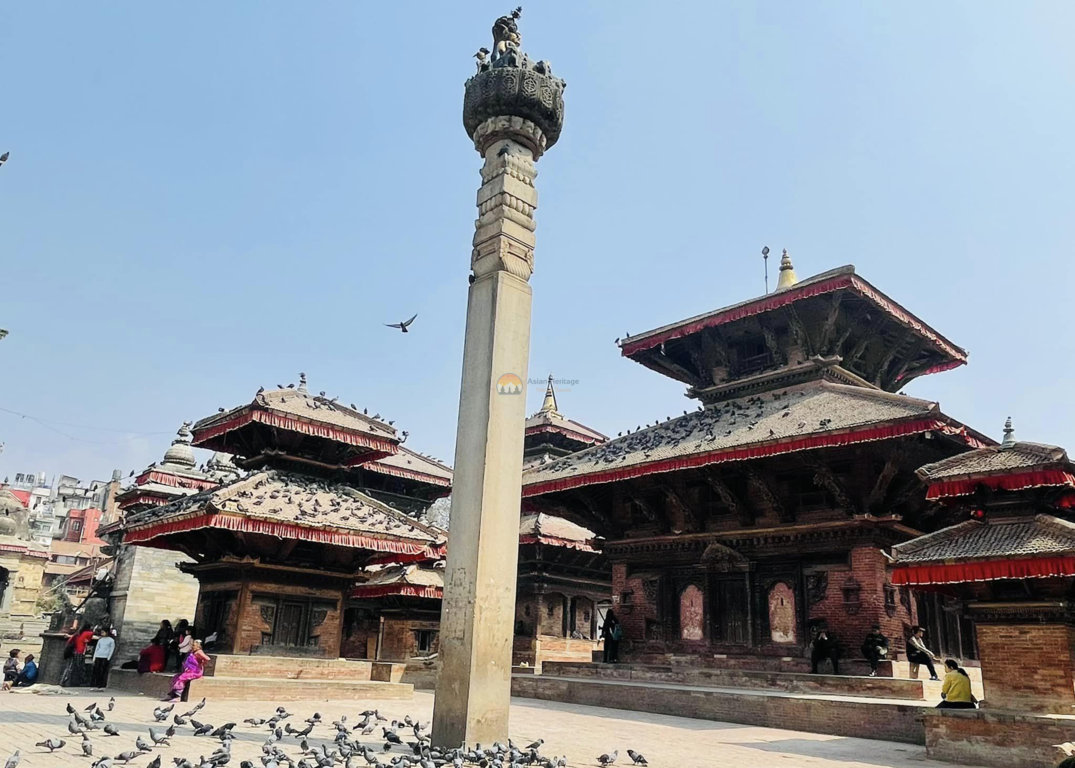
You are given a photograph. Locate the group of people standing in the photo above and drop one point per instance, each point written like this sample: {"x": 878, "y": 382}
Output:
{"x": 103, "y": 641}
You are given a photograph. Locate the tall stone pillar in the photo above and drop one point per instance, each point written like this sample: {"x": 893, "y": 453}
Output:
{"x": 513, "y": 111}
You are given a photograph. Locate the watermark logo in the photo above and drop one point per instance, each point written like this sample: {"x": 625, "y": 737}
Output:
{"x": 509, "y": 384}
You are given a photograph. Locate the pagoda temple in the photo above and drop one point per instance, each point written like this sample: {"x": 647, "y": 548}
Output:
{"x": 276, "y": 552}
{"x": 1008, "y": 560}
{"x": 745, "y": 526}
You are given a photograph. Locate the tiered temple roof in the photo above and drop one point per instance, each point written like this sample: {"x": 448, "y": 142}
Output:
{"x": 1009, "y": 489}
{"x": 288, "y": 505}
{"x": 836, "y": 315}
{"x": 541, "y": 528}
{"x": 175, "y": 476}
{"x": 291, "y": 423}
{"x": 304, "y": 451}
{"x": 549, "y": 434}
{"x": 812, "y": 415}
{"x": 1010, "y": 466}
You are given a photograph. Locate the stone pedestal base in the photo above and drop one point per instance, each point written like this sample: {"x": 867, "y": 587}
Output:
{"x": 1028, "y": 667}
{"x": 996, "y": 737}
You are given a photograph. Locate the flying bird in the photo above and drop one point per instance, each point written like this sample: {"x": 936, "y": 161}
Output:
{"x": 404, "y": 325}
{"x": 3, "y": 157}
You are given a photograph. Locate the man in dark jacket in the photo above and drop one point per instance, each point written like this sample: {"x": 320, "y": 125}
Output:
{"x": 824, "y": 647}
{"x": 875, "y": 648}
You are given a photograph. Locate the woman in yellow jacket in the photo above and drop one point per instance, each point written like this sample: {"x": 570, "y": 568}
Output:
{"x": 955, "y": 690}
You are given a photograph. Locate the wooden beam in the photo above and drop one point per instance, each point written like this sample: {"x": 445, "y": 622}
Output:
{"x": 688, "y": 516}
{"x": 742, "y": 510}
{"x": 829, "y": 325}
{"x": 761, "y": 484}
{"x": 798, "y": 329}
{"x": 889, "y": 382}
{"x": 889, "y": 357}
{"x": 771, "y": 343}
{"x": 825, "y": 478}
{"x": 884, "y": 479}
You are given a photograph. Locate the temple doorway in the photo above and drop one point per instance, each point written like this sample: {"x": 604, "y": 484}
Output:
{"x": 728, "y": 609}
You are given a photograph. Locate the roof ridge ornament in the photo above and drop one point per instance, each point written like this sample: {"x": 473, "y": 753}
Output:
{"x": 1009, "y": 435}
{"x": 548, "y": 405}
{"x": 787, "y": 273}
{"x": 302, "y": 382}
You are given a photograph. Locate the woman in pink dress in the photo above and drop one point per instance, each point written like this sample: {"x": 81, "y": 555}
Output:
{"x": 193, "y": 667}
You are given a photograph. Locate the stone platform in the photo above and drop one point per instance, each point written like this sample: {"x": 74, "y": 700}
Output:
{"x": 860, "y": 707}
{"x": 284, "y": 678}
{"x": 792, "y": 682}
{"x": 996, "y": 737}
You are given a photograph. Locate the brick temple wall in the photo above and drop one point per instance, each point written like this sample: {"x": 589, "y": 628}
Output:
{"x": 399, "y": 641}
{"x": 1028, "y": 666}
{"x": 148, "y": 587}
{"x": 1000, "y": 739}
{"x": 869, "y": 569}
{"x": 250, "y": 623}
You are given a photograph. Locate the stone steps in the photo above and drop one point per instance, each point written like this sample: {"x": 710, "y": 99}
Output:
{"x": 852, "y": 716}
{"x": 284, "y": 667}
{"x": 764, "y": 680}
{"x": 156, "y": 685}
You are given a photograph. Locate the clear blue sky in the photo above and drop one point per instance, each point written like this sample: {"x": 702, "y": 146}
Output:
{"x": 203, "y": 198}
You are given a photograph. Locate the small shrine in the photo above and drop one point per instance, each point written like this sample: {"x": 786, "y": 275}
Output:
{"x": 1008, "y": 557}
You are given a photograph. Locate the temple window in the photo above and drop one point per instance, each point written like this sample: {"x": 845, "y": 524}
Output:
{"x": 423, "y": 640}
{"x": 751, "y": 356}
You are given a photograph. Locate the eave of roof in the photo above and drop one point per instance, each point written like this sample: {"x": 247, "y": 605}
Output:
{"x": 834, "y": 280}
{"x": 691, "y": 440}
{"x": 355, "y": 520}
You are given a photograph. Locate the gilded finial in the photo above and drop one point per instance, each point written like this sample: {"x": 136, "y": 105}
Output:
{"x": 787, "y": 272}
{"x": 548, "y": 405}
{"x": 1009, "y": 434}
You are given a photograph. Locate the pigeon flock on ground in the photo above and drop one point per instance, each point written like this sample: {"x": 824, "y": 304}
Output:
{"x": 373, "y": 741}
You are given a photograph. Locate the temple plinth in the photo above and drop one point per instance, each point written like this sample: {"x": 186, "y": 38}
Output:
{"x": 513, "y": 111}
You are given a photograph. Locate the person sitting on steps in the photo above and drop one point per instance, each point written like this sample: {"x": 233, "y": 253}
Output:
{"x": 824, "y": 647}
{"x": 918, "y": 653}
{"x": 875, "y": 648}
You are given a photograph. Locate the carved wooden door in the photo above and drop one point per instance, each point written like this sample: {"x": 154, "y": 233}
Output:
{"x": 729, "y": 611}
{"x": 289, "y": 625}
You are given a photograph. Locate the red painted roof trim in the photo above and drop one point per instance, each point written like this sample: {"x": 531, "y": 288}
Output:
{"x": 349, "y": 436}
{"x": 1015, "y": 481}
{"x": 280, "y": 530}
{"x": 985, "y": 570}
{"x": 363, "y": 591}
{"x": 761, "y": 450}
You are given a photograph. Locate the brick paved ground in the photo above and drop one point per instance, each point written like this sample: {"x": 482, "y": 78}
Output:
{"x": 581, "y": 733}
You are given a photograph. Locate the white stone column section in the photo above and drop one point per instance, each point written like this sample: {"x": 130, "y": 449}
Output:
{"x": 478, "y": 612}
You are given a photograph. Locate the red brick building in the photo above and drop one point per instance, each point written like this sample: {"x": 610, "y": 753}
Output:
{"x": 740, "y": 528}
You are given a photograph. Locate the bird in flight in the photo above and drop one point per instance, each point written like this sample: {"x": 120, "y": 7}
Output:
{"x": 4, "y": 157}
{"x": 404, "y": 325}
